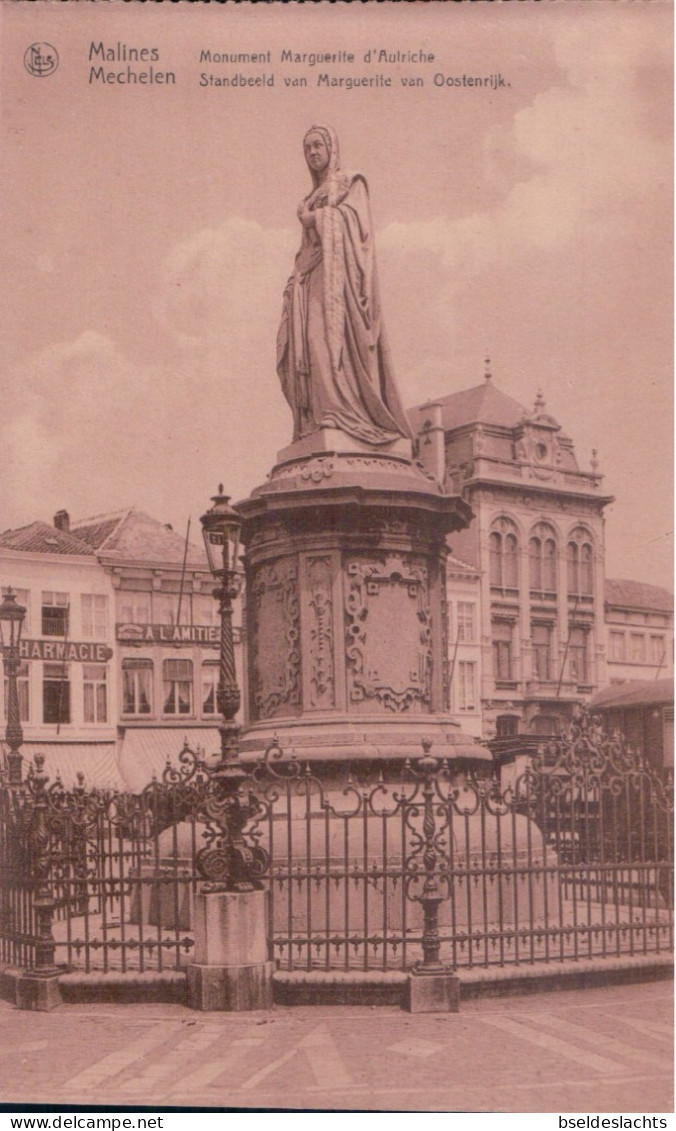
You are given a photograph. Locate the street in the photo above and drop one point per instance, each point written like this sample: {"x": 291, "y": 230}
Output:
{"x": 594, "y": 1050}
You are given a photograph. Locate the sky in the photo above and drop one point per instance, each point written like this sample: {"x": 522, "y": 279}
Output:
{"x": 149, "y": 231}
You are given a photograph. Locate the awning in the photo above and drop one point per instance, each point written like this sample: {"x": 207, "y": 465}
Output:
{"x": 145, "y": 750}
{"x": 96, "y": 760}
{"x": 636, "y": 693}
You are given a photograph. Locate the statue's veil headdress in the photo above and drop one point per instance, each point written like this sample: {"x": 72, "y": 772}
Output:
{"x": 335, "y": 185}
{"x": 331, "y": 191}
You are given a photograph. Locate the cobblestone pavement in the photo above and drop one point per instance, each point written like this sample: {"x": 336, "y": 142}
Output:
{"x": 598, "y": 1050}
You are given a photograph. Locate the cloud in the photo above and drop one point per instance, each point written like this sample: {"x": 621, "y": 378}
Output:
{"x": 82, "y": 422}
{"x": 89, "y": 427}
{"x": 215, "y": 285}
{"x": 588, "y": 165}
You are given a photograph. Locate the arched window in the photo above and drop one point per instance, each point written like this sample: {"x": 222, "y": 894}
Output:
{"x": 510, "y": 562}
{"x": 495, "y": 553}
{"x": 503, "y": 550}
{"x": 586, "y": 569}
{"x": 542, "y": 559}
{"x": 580, "y": 559}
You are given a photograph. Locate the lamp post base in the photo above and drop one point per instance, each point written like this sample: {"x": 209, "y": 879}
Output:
{"x": 434, "y": 991}
{"x": 39, "y": 992}
{"x": 230, "y": 988}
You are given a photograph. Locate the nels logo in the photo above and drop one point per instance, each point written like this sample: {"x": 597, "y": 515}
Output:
{"x": 41, "y": 59}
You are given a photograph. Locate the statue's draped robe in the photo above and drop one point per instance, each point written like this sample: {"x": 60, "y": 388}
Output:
{"x": 332, "y": 357}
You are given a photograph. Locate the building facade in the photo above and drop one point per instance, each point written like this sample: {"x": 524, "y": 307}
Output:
{"x": 548, "y": 620}
{"x": 640, "y": 626}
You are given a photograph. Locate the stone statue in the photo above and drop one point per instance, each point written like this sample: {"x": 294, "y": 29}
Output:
{"x": 332, "y": 356}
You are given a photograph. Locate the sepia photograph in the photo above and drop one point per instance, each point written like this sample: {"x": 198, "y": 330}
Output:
{"x": 336, "y": 565}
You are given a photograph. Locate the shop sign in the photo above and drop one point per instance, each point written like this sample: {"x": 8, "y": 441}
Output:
{"x": 205, "y": 634}
{"x": 87, "y": 652}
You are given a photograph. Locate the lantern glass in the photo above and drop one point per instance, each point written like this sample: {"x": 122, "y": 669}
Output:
{"x": 232, "y": 542}
{"x": 221, "y": 527}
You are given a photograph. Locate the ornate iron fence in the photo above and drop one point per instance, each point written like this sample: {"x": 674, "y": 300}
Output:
{"x": 572, "y": 858}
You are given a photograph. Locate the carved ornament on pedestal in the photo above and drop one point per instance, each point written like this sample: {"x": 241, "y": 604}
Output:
{"x": 388, "y": 632}
{"x": 320, "y": 600}
{"x": 275, "y": 660}
{"x": 266, "y": 535}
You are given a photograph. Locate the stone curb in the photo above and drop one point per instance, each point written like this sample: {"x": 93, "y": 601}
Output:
{"x": 354, "y": 987}
{"x": 388, "y": 987}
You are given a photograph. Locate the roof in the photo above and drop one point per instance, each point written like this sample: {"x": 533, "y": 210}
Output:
{"x": 483, "y": 404}
{"x": 133, "y": 534}
{"x": 96, "y": 531}
{"x": 146, "y": 750}
{"x": 638, "y": 595}
{"x": 42, "y": 538}
{"x": 639, "y": 692}
{"x": 455, "y": 565}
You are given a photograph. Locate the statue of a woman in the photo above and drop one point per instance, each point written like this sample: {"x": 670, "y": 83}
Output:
{"x": 332, "y": 356}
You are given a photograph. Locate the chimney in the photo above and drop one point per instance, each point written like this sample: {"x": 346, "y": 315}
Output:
{"x": 62, "y": 521}
{"x": 431, "y": 441}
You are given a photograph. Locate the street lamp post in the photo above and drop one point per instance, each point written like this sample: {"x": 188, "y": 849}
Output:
{"x": 221, "y": 527}
{"x": 11, "y": 622}
{"x": 232, "y": 864}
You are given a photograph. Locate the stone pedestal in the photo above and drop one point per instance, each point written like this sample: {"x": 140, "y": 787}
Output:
{"x": 231, "y": 970}
{"x": 432, "y": 992}
{"x": 347, "y": 650}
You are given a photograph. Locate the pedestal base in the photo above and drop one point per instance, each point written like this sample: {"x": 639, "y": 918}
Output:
{"x": 41, "y": 994}
{"x": 432, "y": 993}
{"x": 231, "y": 969}
{"x": 233, "y": 988}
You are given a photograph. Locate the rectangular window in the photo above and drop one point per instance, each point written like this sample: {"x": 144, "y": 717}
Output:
{"x": 502, "y": 650}
{"x": 22, "y": 686}
{"x": 658, "y": 650}
{"x": 578, "y": 656}
{"x": 177, "y": 676}
{"x": 465, "y": 627}
{"x": 137, "y": 687}
{"x": 618, "y": 647}
{"x": 205, "y": 610}
{"x": 55, "y": 693}
{"x": 210, "y": 670}
{"x": 54, "y": 614}
{"x": 94, "y": 616}
{"x": 542, "y": 651}
{"x": 637, "y": 644}
{"x": 95, "y": 693}
{"x": 506, "y": 726}
{"x": 166, "y": 610}
{"x": 466, "y": 686}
